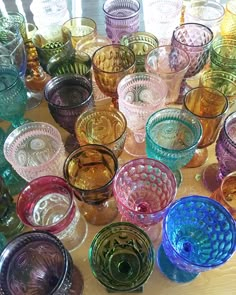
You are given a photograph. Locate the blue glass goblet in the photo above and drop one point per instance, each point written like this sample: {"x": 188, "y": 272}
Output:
{"x": 172, "y": 136}
{"x": 199, "y": 234}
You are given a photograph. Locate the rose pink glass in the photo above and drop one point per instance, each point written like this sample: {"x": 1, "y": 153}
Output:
{"x": 35, "y": 149}
{"x": 121, "y": 18}
{"x": 144, "y": 188}
{"x": 196, "y": 40}
{"x": 225, "y": 154}
{"x": 48, "y": 203}
{"x": 139, "y": 95}
{"x": 171, "y": 64}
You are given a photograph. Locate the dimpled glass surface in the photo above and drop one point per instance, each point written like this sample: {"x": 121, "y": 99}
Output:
{"x": 199, "y": 234}
{"x": 121, "y": 257}
{"x": 144, "y": 188}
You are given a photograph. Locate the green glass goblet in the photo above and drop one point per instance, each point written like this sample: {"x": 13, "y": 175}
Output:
{"x": 121, "y": 257}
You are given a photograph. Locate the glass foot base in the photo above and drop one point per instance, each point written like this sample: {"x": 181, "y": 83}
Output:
{"x": 171, "y": 271}
{"x": 33, "y": 100}
{"x": 210, "y": 177}
{"x": 134, "y": 148}
{"x": 199, "y": 158}
{"x": 77, "y": 282}
{"x": 138, "y": 290}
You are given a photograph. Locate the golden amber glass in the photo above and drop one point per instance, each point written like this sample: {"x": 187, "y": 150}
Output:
{"x": 228, "y": 24}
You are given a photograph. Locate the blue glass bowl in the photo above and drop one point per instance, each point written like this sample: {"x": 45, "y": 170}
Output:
{"x": 198, "y": 234}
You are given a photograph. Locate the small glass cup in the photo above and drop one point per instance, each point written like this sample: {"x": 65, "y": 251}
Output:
{"x": 121, "y": 257}
{"x": 228, "y": 24}
{"x": 121, "y": 18}
{"x": 90, "y": 171}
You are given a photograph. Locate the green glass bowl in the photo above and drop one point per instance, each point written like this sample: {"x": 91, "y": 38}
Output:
{"x": 122, "y": 257}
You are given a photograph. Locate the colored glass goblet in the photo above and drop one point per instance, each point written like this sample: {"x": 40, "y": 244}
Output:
{"x": 90, "y": 171}
{"x": 228, "y": 24}
{"x": 121, "y": 257}
{"x": 10, "y": 224}
{"x": 102, "y": 126}
{"x": 111, "y": 63}
{"x": 172, "y": 136}
{"x": 140, "y": 43}
{"x": 209, "y": 106}
{"x": 35, "y": 149}
{"x": 37, "y": 263}
{"x": 144, "y": 188}
{"x": 48, "y": 203}
{"x": 139, "y": 95}
{"x": 196, "y": 40}
{"x": 199, "y": 234}
{"x": 68, "y": 96}
{"x": 121, "y": 18}
{"x": 171, "y": 64}
{"x": 226, "y": 155}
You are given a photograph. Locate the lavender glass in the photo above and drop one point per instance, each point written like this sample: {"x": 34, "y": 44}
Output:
{"x": 196, "y": 40}
{"x": 199, "y": 234}
{"x": 37, "y": 263}
{"x": 121, "y": 18}
{"x": 68, "y": 96}
{"x": 144, "y": 188}
{"x": 48, "y": 203}
{"x": 139, "y": 95}
{"x": 225, "y": 153}
{"x": 35, "y": 149}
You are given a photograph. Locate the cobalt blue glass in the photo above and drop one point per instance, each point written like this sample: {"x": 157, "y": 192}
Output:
{"x": 199, "y": 234}
{"x": 172, "y": 136}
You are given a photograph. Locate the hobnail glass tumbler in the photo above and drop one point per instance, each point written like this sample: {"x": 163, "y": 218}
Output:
{"x": 139, "y": 95}
{"x": 199, "y": 234}
{"x": 48, "y": 203}
{"x": 37, "y": 263}
{"x": 140, "y": 43}
{"x": 121, "y": 257}
{"x": 102, "y": 126}
{"x": 144, "y": 188}
{"x": 228, "y": 24}
{"x": 90, "y": 171}
{"x": 171, "y": 64}
{"x": 121, "y": 18}
{"x": 35, "y": 149}
{"x": 172, "y": 136}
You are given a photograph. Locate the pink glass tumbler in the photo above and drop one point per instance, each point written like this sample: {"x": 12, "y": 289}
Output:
{"x": 144, "y": 188}
{"x": 48, "y": 203}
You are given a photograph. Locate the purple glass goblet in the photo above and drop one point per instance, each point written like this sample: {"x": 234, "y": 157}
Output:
{"x": 68, "y": 96}
{"x": 144, "y": 188}
{"x": 196, "y": 40}
{"x": 121, "y": 18}
{"x": 48, "y": 203}
{"x": 37, "y": 263}
{"x": 225, "y": 153}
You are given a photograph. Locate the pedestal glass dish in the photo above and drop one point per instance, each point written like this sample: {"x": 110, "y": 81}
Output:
{"x": 37, "y": 263}
{"x": 209, "y": 106}
{"x": 47, "y": 203}
{"x": 102, "y": 126}
{"x": 110, "y": 64}
{"x": 121, "y": 18}
{"x": 228, "y": 24}
{"x": 35, "y": 149}
{"x": 196, "y": 40}
{"x": 199, "y": 234}
{"x": 139, "y": 95}
{"x": 144, "y": 188}
{"x": 171, "y": 64}
{"x": 90, "y": 171}
{"x": 141, "y": 43}
{"x": 172, "y": 136}
{"x": 121, "y": 257}
{"x": 68, "y": 96}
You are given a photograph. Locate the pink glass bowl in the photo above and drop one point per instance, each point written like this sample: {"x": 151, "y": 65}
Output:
{"x": 35, "y": 149}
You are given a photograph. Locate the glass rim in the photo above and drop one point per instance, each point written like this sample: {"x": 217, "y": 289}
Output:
{"x": 224, "y": 181}
{"x": 121, "y": 17}
{"x": 228, "y": 6}
{"x": 226, "y": 121}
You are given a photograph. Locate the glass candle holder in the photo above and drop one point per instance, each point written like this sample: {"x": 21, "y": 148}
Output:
{"x": 141, "y": 43}
{"x": 35, "y": 149}
{"x": 90, "y": 171}
{"x": 121, "y": 257}
{"x": 121, "y": 18}
{"x": 37, "y": 263}
{"x": 48, "y": 203}
{"x": 228, "y": 24}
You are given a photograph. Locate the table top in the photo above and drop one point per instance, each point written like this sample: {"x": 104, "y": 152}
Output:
{"x": 220, "y": 281}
